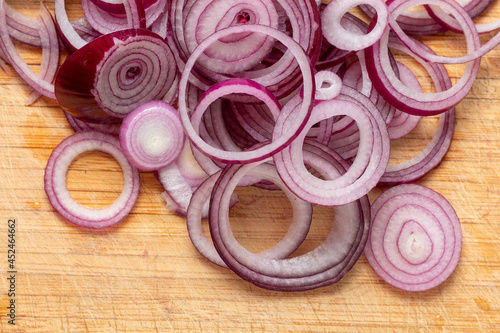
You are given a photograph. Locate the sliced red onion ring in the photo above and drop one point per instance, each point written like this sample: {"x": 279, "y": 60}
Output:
{"x": 22, "y": 28}
{"x": 443, "y": 18}
{"x": 408, "y": 100}
{"x": 151, "y": 136}
{"x": 337, "y": 35}
{"x": 421, "y": 23}
{"x": 117, "y": 72}
{"x": 179, "y": 180}
{"x": 235, "y": 53}
{"x": 474, "y": 50}
{"x": 60, "y": 198}
{"x": 81, "y": 125}
{"x": 70, "y": 38}
{"x": 369, "y": 165}
{"x": 403, "y": 123}
{"x": 297, "y": 232}
{"x": 415, "y": 237}
{"x": 325, "y": 265}
{"x": 447, "y": 21}
{"x": 437, "y": 148}
{"x": 227, "y": 87}
{"x": 287, "y": 136}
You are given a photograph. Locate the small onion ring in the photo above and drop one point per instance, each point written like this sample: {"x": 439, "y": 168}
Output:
{"x": 60, "y": 198}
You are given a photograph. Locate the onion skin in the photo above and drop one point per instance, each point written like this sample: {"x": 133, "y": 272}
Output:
{"x": 75, "y": 96}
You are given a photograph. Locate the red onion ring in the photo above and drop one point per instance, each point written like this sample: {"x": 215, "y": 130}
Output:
{"x": 70, "y": 38}
{"x": 20, "y": 66}
{"x": 370, "y": 163}
{"x": 469, "y": 29}
{"x": 297, "y": 232}
{"x": 286, "y": 137}
{"x": 151, "y": 136}
{"x": 415, "y": 237}
{"x": 50, "y": 50}
{"x": 325, "y": 265}
{"x": 338, "y": 36}
{"x": 59, "y": 196}
{"x": 401, "y": 97}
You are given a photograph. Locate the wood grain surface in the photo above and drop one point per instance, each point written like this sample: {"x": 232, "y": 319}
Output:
{"x": 143, "y": 275}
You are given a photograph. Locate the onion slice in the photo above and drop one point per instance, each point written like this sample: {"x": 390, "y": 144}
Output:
{"x": 116, "y": 73}
{"x": 20, "y": 66}
{"x": 325, "y": 265}
{"x": 365, "y": 172}
{"x": 58, "y": 194}
{"x": 302, "y": 114}
{"x": 415, "y": 237}
{"x": 50, "y": 50}
{"x": 347, "y": 40}
{"x": 70, "y": 38}
{"x": 151, "y": 136}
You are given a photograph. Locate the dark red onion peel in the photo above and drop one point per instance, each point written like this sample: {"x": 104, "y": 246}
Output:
{"x": 415, "y": 237}
{"x": 50, "y": 50}
{"x": 60, "y": 198}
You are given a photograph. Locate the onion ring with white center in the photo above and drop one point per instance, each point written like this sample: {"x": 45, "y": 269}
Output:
{"x": 415, "y": 237}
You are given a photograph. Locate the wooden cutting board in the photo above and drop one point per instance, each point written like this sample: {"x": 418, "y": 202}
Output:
{"x": 143, "y": 275}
